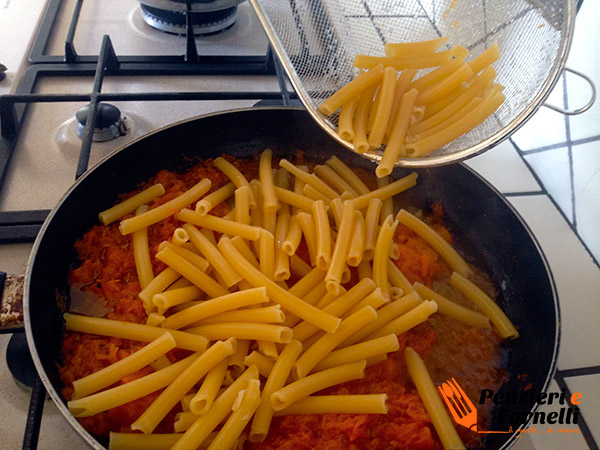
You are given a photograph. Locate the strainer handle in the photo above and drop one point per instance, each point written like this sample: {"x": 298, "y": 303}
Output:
{"x": 584, "y": 108}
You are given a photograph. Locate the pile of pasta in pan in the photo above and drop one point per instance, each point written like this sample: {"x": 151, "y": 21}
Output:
{"x": 259, "y": 289}
{"x": 394, "y": 106}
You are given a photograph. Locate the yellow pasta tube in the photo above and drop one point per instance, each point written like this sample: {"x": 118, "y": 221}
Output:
{"x": 323, "y": 235}
{"x": 155, "y": 319}
{"x": 309, "y": 179}
{"x": 333, "y": 178}
{"x": 348, "y": 175}
{"x": 451, "y": 256}
{"x": 408, "y": 320}
{"x": 384, "y": 108}
{"x": 180, "y": 237}
{"x": 324, "y": 345}
{"x": 219, "y": 224}
{"x": 133, "y": 331}
{"x": 275, "y": 381}
{"x": 292, "y": 239}
{"x": 431, "y": 400}
{"x": 246, "y": 252}
{"x": 395, "y": 146}
{"x": 309, "y": 232}
{"x": 277, "y": 294}
{"x": 206, "y": 204}
{"x": 398, "y": 279}
{"x": 361, "y": 119}
{"x": 390, "y": 190}
{"x": 364, "y": 269}
{"x": 267, "y": 184}
{"x": 476, "y": 88}
{"x": 174, "y": 297}
{"x": 268, "y": 348}
{"x": 414, "y": 48}
{"x": 375, "y": 300}
{"x": 236, "y": 361}
{"x": 382, "y": 254}
{"x": 298, "y": 266}
{"x": 363, "y": 350}
{"x": 305, "y": 284}
{"x": 314, "y": 195}
{"x": 500, "y": 320}
{"x": 462, "y": 125}
{"x": 266, "y": 257}
{"x": 200, "y": 430}
{"x": 435, "y": 76}
{"x": 485, "y": 59}
{"x": 284, "y": 397}
{"x": 141, "y": 252}
{"x": 403, "y": 85}
{"x": 236, "y": 177}
{"x": 186, "y": 253}
{"x": 372, "y": 227}
{"x": 405, "y": 62}
{"x": 340, "y": 249}
{"x": 357, "y": 244}
{"x": 337, "y": 307}
{"x": 267, "y": 314}
{"x": 191, "y": 272}
{"x": 452, "y": 309}
{"x": 203, "y": 399}
{"x": 135, "y": 441}
{"x": 130, "y": 364}
{"x": 183, "y": 421}
{"x": 293, "y": 198}
{"x": 282, "y": 259}
{"x": 385, "y": 315}
{"x": 249, "y": 330}
{"x": 445, "y": 86}
{"x": 125, "y": 393}
{"x": 160, "y": 363}
{"x": 339, "y": 404}
{"x": 263, "y": 363}
{"x": 345, "y": 126}
{"x": 215, "y": 306}
{"x": 182, "y": 384}
{"x": 351, "y": 89}
{"x": 165, "y": 210}
{"x": 110, "y": 215}
{"x": 242, "y": 205}
{"x": 235, "y": 424}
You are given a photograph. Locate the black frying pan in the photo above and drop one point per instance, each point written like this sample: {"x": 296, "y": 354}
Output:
{"x": 485, "y": 225}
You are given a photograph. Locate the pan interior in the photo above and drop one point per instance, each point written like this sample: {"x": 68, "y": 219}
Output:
{"x": 484, "y": 224}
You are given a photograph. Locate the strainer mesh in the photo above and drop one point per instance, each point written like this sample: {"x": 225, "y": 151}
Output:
{"x": 320, "y": 38}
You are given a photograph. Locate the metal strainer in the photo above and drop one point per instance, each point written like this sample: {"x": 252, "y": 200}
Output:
{"x": 316, "y": 41}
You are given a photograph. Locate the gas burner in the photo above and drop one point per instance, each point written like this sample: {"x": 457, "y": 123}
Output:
{"x": 109, "y": 124}
{"x": 203, "y": 23}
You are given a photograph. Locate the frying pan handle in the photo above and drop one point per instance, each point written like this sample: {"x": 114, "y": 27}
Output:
{"x": 11, "y": 303}
{"x": 584, "y": 108}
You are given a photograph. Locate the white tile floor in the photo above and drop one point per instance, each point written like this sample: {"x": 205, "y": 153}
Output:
{"x": 550, "y": 171}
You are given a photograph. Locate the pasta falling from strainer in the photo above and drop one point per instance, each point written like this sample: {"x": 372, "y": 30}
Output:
{"x": 388, "y": 105}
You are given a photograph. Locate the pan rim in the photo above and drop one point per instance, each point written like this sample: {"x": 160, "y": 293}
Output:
{"x": 59, "y": 401}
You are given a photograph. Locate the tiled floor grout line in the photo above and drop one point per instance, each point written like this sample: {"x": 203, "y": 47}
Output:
{"x": 574, "y": 143}
{"x": 580, "y": 371}
{"x": 585, "y": 430}
{"x": 569, "y": 152}
{"x": 544, "y": 192}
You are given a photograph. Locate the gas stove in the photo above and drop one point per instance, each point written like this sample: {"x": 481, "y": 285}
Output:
{"x": 145, "y": 69}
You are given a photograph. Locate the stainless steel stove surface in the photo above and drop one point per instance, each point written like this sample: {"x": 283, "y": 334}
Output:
{"x": 549, "y": 170}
